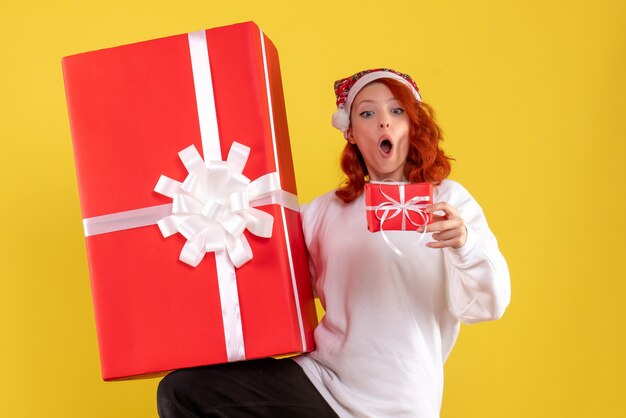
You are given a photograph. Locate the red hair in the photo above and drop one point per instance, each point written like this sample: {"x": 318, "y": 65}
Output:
{"x": 425, "y": 162}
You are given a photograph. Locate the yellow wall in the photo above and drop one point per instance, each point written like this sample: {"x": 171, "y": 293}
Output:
{"x": 531, "y": 98}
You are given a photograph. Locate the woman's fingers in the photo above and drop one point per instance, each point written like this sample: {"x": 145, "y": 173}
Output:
{"x": 437, "y": 218}
{"x": 451, "y": 243}
{"x": 443, "y": 225}
{"x": 449, "y": 210}
{"x": 448, "y": 230}
{"x": 446, "y": 235}
{"x": 454, "y": 238}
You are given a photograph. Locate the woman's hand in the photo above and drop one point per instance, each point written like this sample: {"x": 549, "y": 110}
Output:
{"x": 448, "y": 230}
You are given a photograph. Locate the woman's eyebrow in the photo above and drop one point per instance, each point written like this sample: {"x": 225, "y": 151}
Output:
{"x": 373, "y": 101}
{"x": 364, "y": 101}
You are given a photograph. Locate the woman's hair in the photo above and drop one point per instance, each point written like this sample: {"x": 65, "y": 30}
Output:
{"x": 425, "y": 162}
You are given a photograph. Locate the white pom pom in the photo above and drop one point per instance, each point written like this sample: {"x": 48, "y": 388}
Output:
{"x": 341, "y": 120}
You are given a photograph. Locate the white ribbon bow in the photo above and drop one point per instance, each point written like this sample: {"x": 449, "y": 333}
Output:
{"x": 401, "y": 208}
{"x": 212, "y": 207}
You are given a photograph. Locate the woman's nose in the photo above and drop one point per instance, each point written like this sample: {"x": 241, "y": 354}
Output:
{"x": 383, "y": 124}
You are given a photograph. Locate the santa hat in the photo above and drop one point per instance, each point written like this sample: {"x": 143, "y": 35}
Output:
{"x": 346, "y": 90}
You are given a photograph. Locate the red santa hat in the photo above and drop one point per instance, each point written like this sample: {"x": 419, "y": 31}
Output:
{"x": 346, "y": 90}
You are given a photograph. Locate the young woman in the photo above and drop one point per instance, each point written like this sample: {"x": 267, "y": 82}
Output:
{"x": 391, "y": 321}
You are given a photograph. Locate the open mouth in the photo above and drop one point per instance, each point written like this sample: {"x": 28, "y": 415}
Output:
{"x": 386, "y": 146}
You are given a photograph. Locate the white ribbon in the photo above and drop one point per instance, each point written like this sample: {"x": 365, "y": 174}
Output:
{"x": 120, "y": 221}
{"x": 400, "y": 208}
{"x": 212, "y": 207}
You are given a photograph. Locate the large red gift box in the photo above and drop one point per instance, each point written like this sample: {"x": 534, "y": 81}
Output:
{"x": 132, "y": 110}
{"x": 397, "y": 206}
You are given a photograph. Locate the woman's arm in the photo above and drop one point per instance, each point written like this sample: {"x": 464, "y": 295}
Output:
{"x": 478, "y": 283}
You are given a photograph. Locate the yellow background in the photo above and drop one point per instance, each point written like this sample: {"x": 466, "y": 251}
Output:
{"x": 530, "y": 95}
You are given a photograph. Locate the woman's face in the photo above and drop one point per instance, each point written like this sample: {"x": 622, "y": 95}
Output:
{"x": 379, "y": 127}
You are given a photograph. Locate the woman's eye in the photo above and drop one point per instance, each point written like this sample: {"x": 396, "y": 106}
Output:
{"x": 397, "y": 110}
{"x": 366, "y": 114}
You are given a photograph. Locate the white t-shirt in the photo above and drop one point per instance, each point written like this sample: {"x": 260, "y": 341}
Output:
{"x": 391, "y": 321}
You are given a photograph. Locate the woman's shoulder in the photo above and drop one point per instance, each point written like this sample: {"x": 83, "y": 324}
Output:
{"x": 453, "y": 192}
{"x": 316, "y": 214}
{"x": 320, "y": 203}
{"x": 450, "y": 187}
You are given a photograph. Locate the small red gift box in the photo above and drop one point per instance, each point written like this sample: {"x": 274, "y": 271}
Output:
{"x": 132, "y": 110}
{"x": 394, "y": 206}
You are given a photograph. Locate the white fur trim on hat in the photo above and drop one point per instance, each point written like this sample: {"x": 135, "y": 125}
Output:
{"x": 341, "y": 120}
{"x": 368, "y": 78}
